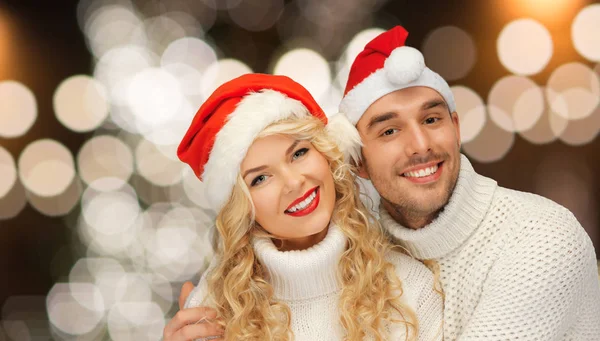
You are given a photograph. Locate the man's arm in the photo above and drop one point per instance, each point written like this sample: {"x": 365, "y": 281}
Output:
{"x": 544, "y": 285}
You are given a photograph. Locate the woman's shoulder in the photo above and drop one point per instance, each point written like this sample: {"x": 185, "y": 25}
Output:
{"x": 199, "y": 296}
{"x": 412, "y": 272}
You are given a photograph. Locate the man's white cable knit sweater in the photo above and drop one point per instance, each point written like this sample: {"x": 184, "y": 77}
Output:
{"x": 514, "y": 265}
{"x": 306, "y": 281}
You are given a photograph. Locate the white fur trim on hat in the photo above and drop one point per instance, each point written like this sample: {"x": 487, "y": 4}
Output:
{"x": 252, "y": 114}
{"x": 345, "y": 136}
{"x": 379, "y": 84}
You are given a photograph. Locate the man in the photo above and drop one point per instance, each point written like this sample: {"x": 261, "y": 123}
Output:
{"x": 512, "y": 265}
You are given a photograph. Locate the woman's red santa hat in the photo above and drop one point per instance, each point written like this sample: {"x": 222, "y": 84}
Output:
{"x": 230, "y": 120}
{"x": 384, "y": 66}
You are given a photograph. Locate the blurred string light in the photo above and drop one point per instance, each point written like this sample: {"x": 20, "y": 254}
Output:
{"x": 194, "y": 189}
{"x": 161, "y": 31}
{"x": 104, "y": 273}
{"x": 75, "y": 308}
{"x": 12, "y": 193}
{"x": 112, "y": 26}
{"x": 46, "y": 167}
{"x": 580, "y": 132}
{"x": 495, "y": 137}
{"x": 549, "y": 126}
{"x": 135, "y": 321}
{"x": 573, "y": 90}
{"x": 154, "y": 97}
{"x": 450, "y": 51}
{"x": 18, "y": 109}
{"x": 16, "y": 330}
{"x": 187, "y": 59}
{"x": 13, "y": 202}
{"x": 491, "y": 145}
{"x": 60, "y": 204}
{"x": 256, "y": 15}
{"x": 222, "y": 4}
{"x": 471, "y": 111}
{"x": 555, "y": 13}
{"x": 190, "y": 25}
{"x": 116, "y": 68}
{"x": 584, "y": 32}
{"x": 515, "y": 103}
{"x": 110, "y": 220}
{"x": 525, "y": 47}
{"x": 175, "y": 249}
{"x": 155, "y": 167}
{"x": 81, "y": 103}
{"x": 222, "y": 71}
{"x": 105, "y": 163}
{"x": 306, "y": 67}
{"x": 8, "y": 169}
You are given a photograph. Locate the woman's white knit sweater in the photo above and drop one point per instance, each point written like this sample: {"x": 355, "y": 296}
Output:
{"x": 306, "y": 281}
{"x": 514, "y": 265}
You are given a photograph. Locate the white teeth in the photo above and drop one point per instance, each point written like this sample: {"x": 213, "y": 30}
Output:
{"x": 304, "y": 203}
{"x": 421, "y": 172}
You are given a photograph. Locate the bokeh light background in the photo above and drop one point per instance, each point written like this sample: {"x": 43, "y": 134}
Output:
{"x": 100, "y": 223}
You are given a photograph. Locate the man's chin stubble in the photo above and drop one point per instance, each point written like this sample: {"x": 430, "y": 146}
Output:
{"x": 411, "y": 213}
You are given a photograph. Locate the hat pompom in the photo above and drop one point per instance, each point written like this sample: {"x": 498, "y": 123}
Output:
{"x": 404, "y": 65}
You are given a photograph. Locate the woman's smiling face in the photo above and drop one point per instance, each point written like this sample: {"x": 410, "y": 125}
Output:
{"x": 292, "y": 189}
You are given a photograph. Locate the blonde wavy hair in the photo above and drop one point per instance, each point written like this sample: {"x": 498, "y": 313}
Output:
{"x": 370, "y": 294}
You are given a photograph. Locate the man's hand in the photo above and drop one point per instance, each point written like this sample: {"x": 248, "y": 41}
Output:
{"x": 192, "y": 323}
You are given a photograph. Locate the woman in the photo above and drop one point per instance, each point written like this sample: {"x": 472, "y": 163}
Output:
{"x": 299, "y": 256}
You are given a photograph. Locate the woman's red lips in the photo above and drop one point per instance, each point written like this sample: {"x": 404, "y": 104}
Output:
{"x": 308, "y": 209}
{"x": 299, "y": 200}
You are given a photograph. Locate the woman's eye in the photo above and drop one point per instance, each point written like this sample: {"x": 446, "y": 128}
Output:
{"x": 299, "y": 153}
{"x": 258, "y": 180}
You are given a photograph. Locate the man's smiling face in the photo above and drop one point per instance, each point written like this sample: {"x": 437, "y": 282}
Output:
{"x": 411, "y": 150}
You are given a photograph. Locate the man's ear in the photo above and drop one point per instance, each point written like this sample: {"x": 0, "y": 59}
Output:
{"x": 362, "y": 170}
{"x": 456, "y": 123}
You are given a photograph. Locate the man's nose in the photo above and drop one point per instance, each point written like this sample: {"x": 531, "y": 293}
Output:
{"x": 418, "y": 142}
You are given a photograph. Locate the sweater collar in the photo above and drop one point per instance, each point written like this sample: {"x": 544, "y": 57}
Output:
{"x": 462, "y": 215}
{"x": 303, "y": 274}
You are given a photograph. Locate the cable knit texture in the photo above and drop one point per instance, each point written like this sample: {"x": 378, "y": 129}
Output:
{"x": 307, "y": 282}
{"x": 514, "y": 265}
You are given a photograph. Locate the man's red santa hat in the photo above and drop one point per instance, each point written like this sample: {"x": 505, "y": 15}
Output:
{"x": 230, "y": 120}
{"x": 384, "y": 66}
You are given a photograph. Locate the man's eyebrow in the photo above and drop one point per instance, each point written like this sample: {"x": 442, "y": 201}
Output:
{"x": 259, "y": 168}
{"x": 434, "y": 103}
{"x": 381, "y": 118}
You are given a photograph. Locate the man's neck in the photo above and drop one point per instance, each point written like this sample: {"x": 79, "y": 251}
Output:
{"x": 412, "y": 220}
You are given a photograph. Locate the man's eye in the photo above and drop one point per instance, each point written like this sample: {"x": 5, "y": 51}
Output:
{"x": 258, "y": 180}
{"x": 299, "y": 153}
{"x": 431, "y": 120}
{"x": 389, "y": 132}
